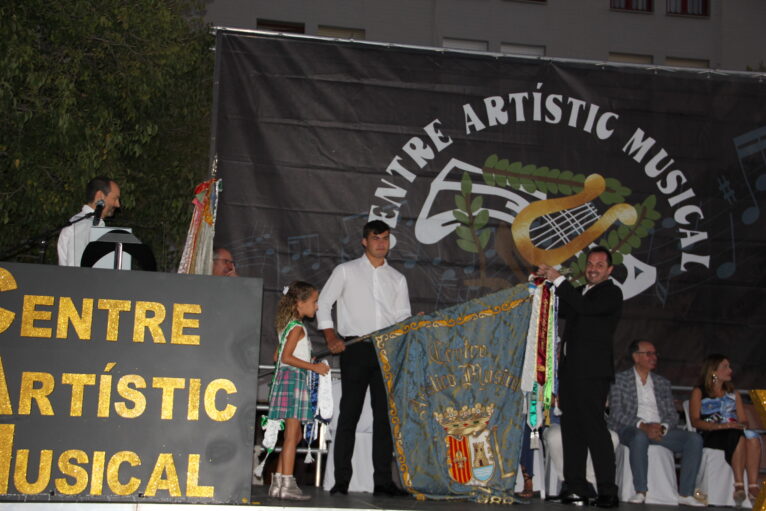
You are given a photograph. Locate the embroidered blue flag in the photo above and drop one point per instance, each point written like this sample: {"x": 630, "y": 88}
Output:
{"x": 456, "y": 410}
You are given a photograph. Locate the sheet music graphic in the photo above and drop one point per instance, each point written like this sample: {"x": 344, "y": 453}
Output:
{"x": 751, "y": 154}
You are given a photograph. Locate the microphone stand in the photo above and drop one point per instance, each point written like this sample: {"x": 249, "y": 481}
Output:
{"x": 42, "y": 240}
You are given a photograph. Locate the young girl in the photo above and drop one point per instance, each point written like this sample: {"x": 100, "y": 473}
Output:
{"x": 289, "y": 399}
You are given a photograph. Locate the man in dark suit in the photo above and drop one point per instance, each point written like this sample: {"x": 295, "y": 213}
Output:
{"x": 586, "y": 370}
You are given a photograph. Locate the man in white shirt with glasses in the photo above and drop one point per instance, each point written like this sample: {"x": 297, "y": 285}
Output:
{"x": 642, "y": 412}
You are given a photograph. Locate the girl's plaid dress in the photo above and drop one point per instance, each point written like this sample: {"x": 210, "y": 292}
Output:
{"x": 289, "y": 396}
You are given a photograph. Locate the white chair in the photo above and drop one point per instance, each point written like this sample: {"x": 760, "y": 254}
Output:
{"x": 715, "y": 477}
{"x": 662, "y": 487}
{"x": 361, "y": 461}
{"x": 554, "y": 460}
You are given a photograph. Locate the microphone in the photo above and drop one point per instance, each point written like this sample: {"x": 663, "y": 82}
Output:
{"x": 97, "y": 213}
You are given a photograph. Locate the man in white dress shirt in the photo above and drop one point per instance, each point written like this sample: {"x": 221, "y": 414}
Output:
{"x": 102, "y": 197}
{"x": 368, "y": 295}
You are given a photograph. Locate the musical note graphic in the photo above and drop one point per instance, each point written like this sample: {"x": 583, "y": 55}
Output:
{"x": 725, "y": 187}
{"x": 668, "y": 222}
{"x": 352, "y": 227}
{"x": 727, "y": 269}
{"x": 305, "y": 246}
{"x": 437, "y": 259}
{"x": 662, "y": 289}
{"x": 470, "y": 267}
{"x": 650, "y": 246}
{"x": 747, "y": 145}
{"x": 447, "y": 280}
{"x": 256, "y": 254}
{"x": 351, "y": 238}
{"x": 411, "y": 257}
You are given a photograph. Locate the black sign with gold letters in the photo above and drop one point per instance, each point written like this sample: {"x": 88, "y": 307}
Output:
{"x": 126, "y": 386}
{"x": 485, "y": 166}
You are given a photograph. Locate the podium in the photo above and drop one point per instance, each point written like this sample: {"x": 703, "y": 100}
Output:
{"x": 117, "y": 248}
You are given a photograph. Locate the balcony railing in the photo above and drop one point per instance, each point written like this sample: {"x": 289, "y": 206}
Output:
{"x": 688, "y": 7}
{"x": 632, "y": 5}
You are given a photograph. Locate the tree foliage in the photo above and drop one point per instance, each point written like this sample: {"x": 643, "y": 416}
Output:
{"x": 112, "y": 88}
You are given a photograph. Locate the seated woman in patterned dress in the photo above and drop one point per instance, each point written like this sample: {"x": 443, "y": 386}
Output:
{"x": 716, "y": 410}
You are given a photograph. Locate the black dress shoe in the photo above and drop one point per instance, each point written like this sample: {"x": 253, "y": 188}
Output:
{"x": 563, "y": 492}
{"x": 390, "y": 490}
{"x": 574, "y": 499}
{"x": 339, "y": 488}
{"x": 606, "y": 501}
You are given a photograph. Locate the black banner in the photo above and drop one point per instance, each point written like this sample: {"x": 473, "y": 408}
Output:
{"x": 486, "y": 165}
{"x": 126, "y": 386}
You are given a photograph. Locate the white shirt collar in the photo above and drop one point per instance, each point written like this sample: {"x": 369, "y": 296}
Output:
{"x": 638, "y": 377}
{"x": 372, "y": 266}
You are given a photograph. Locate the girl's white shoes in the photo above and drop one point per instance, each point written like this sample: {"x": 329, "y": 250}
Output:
{"x": 276, "y": 484}
{"x": 289, "y": 489}
{"x": 285, "y": 487}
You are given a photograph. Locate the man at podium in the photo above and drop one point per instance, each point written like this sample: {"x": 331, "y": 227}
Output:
{"x": 102, "y": 196}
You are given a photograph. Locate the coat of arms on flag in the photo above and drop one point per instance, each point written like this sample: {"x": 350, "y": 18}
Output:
{"x": 469, "y": 453}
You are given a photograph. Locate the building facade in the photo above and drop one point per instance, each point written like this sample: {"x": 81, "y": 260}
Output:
{"x": 716, "y": 34}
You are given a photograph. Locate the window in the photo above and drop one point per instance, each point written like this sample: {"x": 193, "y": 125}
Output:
{"x": 630, "y": 58}
{"x": 341, "y": 32}
{"x": 632, "y": 5}
{"x": 688, "y": 7}
{"x": 522, "y": 49}
{"x": 281, "y": 26}
{"x": 684, "y": 62}
{"x": 464, "y": 44}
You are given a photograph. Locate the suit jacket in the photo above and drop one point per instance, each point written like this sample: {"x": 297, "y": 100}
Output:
{"x": 591, "y": 320}
{"x": 623, "y": 401}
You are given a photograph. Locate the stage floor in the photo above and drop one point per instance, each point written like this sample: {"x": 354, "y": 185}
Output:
{"x": 320, "y": 501}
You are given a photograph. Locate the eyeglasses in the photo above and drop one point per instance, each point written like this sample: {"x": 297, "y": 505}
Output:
{"x": 225, "y": 261}
{"x": 648, "y": 353}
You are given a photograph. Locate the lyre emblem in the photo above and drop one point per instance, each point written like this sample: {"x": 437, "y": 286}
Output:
{"x": 563, "y": 219}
